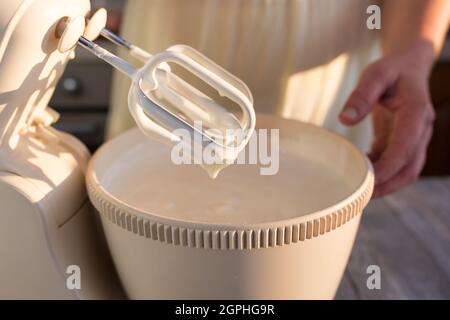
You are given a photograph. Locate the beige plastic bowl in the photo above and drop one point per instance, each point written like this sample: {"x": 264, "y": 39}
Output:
{"x": 294, "y": 255}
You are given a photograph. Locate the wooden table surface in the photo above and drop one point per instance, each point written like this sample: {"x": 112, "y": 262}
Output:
{"x": 408, "y": 236}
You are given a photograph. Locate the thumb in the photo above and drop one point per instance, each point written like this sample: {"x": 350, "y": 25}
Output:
{"x": 374, "y": 82}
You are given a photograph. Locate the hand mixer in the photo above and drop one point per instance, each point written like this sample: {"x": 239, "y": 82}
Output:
{"x": 161, "y": 102}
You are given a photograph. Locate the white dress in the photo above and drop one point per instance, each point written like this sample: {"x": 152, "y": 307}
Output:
{"x": 300, "y": 58}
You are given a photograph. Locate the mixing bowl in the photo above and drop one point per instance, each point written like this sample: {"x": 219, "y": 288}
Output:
{"x": 176, "y": 234}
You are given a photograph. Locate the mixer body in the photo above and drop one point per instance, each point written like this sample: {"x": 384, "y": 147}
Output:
{"x": 50, "y": 246}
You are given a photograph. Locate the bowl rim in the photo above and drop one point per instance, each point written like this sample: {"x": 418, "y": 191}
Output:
{"x": 237, "y": 236}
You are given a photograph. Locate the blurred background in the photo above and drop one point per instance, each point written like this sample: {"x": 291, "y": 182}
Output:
{"x": 83, "y": 96}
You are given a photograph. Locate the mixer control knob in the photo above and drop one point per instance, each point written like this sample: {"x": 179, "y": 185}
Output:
{"x": 68, "y": 31}
{"x": 96, "y": 24}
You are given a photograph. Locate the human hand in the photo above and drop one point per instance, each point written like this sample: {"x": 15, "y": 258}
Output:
{"x": 395, "y": 89}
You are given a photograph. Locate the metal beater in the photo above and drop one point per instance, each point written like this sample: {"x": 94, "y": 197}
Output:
{"x": 161, "y": 102}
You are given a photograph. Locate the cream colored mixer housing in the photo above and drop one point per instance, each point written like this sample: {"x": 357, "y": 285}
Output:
{"x": 49, "y": 227}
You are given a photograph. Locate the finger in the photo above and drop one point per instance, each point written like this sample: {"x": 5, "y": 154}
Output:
{"x": 379, "y": 146}
{"x": 375, "y": 154}
{"x": 382, "y": 125}
{"x": 408, "y": 131}
{"x": 409, "y": 173}
{"x": 374, "y": 82}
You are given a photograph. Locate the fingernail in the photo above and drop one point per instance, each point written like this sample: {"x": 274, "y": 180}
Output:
{"x": 350, "y": 113}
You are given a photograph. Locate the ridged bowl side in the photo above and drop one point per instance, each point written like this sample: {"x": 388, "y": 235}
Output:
{"x": 217, "y": 238}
